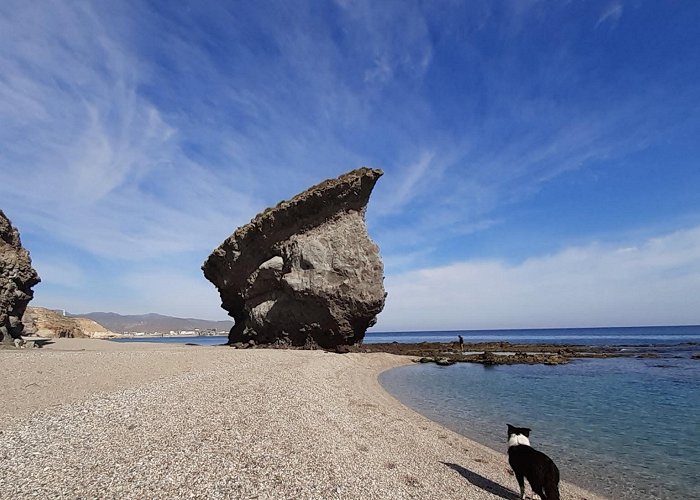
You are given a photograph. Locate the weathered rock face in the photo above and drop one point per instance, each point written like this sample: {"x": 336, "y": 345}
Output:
{"x": 305, "y": 272}
{"x": 17, "y": 277}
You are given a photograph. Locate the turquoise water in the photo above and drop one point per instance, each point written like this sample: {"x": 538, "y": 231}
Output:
{"x": 622, "y": 427}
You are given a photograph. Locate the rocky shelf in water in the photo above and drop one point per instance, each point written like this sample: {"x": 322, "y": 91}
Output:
{"x": 487, "y": 353}
{"x": 494, "y": 353}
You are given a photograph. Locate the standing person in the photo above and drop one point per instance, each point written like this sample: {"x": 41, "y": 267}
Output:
{"x": 461, "y": 344}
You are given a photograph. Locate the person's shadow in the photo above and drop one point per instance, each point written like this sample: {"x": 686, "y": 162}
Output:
{"x": 481, "y": 482}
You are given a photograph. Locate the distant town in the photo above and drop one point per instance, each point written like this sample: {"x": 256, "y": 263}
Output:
{"x": 179, "y": 333}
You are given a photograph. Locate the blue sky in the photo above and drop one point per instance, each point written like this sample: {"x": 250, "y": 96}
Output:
{"x": 541, "y": 158}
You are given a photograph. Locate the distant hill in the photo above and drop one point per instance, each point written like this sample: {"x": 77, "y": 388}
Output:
{"x": 153, "y": 323}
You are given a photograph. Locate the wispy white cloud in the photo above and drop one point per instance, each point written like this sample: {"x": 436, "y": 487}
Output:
{"x": 92, "y": 161}
{"x": 652, "y": 282}
{"x": 409, "y": 182}
{"x": 612, "y": 14}
{"x": 468, "y": 180}
{"x": 374, "y": 28}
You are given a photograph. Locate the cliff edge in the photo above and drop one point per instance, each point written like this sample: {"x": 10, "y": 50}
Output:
{"x": 17, "y": 277}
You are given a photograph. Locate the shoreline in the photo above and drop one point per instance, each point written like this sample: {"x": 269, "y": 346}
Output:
{"x": 90, "y": 417}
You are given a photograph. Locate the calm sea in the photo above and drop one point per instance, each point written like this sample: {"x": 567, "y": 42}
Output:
{"x": 622, "y": 427}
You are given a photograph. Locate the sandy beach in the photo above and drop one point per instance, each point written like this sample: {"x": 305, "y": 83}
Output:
{"x": 97, "y": 419}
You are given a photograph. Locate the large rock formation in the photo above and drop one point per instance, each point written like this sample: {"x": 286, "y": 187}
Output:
{"x": 17, "y": 277}
{"x": 305, "y": 272}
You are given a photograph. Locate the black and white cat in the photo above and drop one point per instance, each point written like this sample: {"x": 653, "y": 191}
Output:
{"x": 528, "y": 463}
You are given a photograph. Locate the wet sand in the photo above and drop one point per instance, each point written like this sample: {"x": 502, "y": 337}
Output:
{"x": 97, "y": 419}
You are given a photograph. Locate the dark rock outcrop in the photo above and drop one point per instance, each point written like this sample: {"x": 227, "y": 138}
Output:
{"x": 492, "y": 353}
{"x": 305, "y": 272}
{"x": 17, "y": 277}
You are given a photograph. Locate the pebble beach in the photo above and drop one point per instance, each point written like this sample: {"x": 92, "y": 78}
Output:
{"x": 85, "y": 418}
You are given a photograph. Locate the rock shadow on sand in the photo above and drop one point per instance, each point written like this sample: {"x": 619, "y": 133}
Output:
{"x": 481, "y": 482}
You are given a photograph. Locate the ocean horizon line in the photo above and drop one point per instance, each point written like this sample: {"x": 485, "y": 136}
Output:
{"x": 534, "y": 329}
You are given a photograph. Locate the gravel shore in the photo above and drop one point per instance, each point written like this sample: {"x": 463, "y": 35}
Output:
{"x": 97, "y": 419}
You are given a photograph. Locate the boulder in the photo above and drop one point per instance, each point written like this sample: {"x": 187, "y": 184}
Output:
{"x": 17, "y": 277}
{"x": 304, "y": 273}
